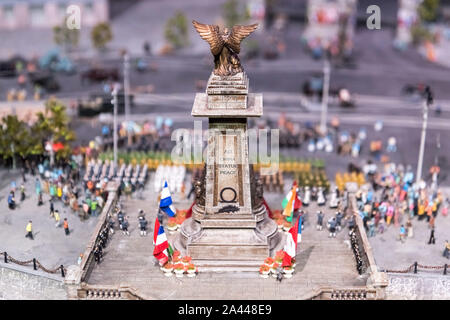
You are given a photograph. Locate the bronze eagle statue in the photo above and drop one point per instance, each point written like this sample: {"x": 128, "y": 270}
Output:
{"x": 225, "y": 45}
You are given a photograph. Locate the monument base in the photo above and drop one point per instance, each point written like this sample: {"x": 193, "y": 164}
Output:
{"x": 231, "y": 247}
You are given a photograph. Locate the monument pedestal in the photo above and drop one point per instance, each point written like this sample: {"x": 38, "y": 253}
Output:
{"x": 229, "y": 224}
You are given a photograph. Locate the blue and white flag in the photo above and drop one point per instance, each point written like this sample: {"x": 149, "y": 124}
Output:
{"x": 299, "y": 227}
{"x": 166, "y": 201}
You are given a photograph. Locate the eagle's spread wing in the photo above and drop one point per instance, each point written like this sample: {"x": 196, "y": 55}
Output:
{"x": 210, "y": 33}
{"x": 238, "y": 33}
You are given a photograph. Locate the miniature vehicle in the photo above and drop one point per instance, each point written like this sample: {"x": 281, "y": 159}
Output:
{"x": 141, "y": 65}
{"x": 45, "y": 80}
{"x": 100, "y": 103}
{"x": 100, "y": 74}
{"x": 7, "y": 69}
{"x": 345, "y": 98}
{"x": 53, "y": 61}
{"x": 413, "y": 89}
{"x": 313, "y": 86}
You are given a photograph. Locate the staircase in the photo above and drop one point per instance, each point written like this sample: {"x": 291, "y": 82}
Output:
{"x": 322, "y": 262}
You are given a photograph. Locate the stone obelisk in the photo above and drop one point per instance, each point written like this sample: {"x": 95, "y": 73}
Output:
{"x": 229, "y": 222}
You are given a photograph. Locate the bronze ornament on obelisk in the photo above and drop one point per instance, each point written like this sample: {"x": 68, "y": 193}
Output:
{"x": 229, "y": 224}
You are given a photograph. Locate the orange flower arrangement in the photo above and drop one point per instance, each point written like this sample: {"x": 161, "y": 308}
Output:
{"x": 279, "y": 256}
{"x": 275, "y": 265}
{"x": 269, "y": 261}
{"x": 178, "y": 266}
{"x": 181, "y": 213}
{"x": 176, "y": 253}
{"x": 171, "y": 222}
{"x": 186, "y": 259}
{"x": 276, "y": 214}
{"x": 190, "y": 266}
{"x": 279, "y": 221}
{"x": 179, "y": 220}
{"x": 287, "y": 225}
{"x": 168, "y": 265}
{"x": 264, "y": 268}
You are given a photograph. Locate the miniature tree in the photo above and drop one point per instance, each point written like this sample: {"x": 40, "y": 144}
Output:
{"x": 65, "y": 37}
{"x": 176, "y": 30}
{"x": 53, "y": 125}
{"x": 428, "y": 10}
{"x": 101, "y": 34}
{"x": 231, "y": 15}
{"x": 15, "y": 139}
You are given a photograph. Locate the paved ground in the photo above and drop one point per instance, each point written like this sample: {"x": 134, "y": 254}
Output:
{"x": 393, "y": 254}
{"x": 128, "y": 260}
{"x": 50, "y": 246}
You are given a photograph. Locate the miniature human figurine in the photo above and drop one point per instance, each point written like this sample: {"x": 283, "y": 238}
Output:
{"x": 40, "y": 202}
{"x": 66, "y": 227}
{"x": 143, "y": 225}
{"x": 22, "y": 192}
{"x": 120, "y": 218}
{"x": 125, "y": 226}
{"x": 446, "y": 249}
{"x": 319, "y": 220}
{"x": 11, "y": 201}
{"x": 339, "y": 217}
{"x": 29, "y": 230}
{"x": 432, "y": 239}
{"x": 332, "y": 227}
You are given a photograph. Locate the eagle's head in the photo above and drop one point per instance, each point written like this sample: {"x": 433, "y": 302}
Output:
{"x": 226, "y": 33}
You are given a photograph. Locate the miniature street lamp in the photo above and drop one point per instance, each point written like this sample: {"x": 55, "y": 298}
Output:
{"x": 126, "y": 88}
{"x": 115, "y": 102}
{"x": 325, "y": 92}
{"x": 426, "y": 104}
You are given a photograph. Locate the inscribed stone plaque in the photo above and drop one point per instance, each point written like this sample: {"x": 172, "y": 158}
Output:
{"x": 228, "y": 170}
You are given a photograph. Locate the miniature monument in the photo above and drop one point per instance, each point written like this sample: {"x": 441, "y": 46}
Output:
{"x": 229, "y": 220}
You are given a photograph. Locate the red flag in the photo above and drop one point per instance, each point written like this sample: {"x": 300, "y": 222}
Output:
{"x": 189, "y": 212}
{"x": 161, "y": 244}
{"x": 290, "y": 248}
{"x": 268, "y": 209}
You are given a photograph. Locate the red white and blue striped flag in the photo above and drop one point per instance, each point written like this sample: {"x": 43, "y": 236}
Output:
{"x": 161, "y": 244}
{"x": 290, "y": 248}
{"x": 166, "y": 203}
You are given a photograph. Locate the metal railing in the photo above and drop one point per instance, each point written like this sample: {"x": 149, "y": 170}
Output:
{"x": 414, "y": 268}
{"x": 356, "y": 293}
{"x": 36, "y": 264}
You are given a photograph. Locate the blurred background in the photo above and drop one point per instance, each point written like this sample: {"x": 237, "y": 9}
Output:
{"x": 337, "y": 90}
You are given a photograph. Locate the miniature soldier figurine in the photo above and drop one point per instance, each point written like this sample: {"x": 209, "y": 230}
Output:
{"x": 143, "y": 225}
{"x": 351, "y": 223}
{"x": 319, "y": 220}
{"x": 98, "y": 253}
{"x": 120, "y": 218}
{"x": 111, "y": 225}
{"x": 332, "y": 227}
{"x": 125, "y": 226}
{"x": 339, "y": 217}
